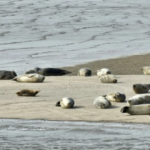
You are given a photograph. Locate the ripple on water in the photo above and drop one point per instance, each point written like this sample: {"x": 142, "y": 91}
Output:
{"x": 45, "y": 135}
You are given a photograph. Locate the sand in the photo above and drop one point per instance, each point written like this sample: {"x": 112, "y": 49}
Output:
{"x": 82, "y": 89}
{"x": 120, "y": 66}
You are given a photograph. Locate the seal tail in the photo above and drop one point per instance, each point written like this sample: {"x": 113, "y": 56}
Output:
{"x": 124, "y": 109}
{"x": 67, "y": 72}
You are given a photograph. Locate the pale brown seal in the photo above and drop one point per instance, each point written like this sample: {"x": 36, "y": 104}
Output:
{"x": 27, "y": 92}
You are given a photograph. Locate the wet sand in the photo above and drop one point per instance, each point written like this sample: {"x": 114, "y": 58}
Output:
{"x": 82, "y": 89}
{"x": 130, "y": 65}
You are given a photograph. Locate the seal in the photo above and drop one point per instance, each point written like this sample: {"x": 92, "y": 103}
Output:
{"x": 102, "y": 102}
{"x": 84, "y": 72}
{"x": 116, "y": 97}
{"x": 141, "y": 88}
{"x": 66, "y": 102}
{"x": 29, "y": 78}
{"x": 146, "y": 70}
{"x": 143, "y": 109}
{"x": 139, "y": 99}
{"x": 109, "y": 78}
{"x": 50, "y": 71}
{"x": 27, "y": 92}
{"x": 103, "y": 71}
{"x": 6, "y": 75}
{"x": 30, "y": 72}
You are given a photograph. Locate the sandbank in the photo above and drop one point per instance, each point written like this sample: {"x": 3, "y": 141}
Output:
{"x": 82, "y": 89}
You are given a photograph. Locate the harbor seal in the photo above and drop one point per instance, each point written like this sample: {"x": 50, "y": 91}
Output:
{"x": 27, "y": 92}
{"x": 109, "y": 78}
{"x": 84, "y": 72}
{"x": 50, "y": 71}
{"x": 143, "y": 109}
{"x": 141, "y": 88}
{"x": 29, "y": 78}
{"x": 102, "y": 102}
{"x": 116, "y": 97}
{"x": 6, "y": 75}
{"x": 30, "y": 72}
{"x": 66, "y": 102}
{"x": 139, "y": 99}
{"x": 146, "y": 70}
{"x": 103, "y": 71}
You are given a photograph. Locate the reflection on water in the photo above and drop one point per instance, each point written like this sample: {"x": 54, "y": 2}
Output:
{"x": 47, "y": 135}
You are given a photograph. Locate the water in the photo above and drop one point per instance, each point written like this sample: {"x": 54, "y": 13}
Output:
{"x": 56, "y": 33}
{"x": 52, "y": 135}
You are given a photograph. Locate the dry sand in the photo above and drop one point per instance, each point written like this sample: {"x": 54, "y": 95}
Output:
{"x": 82, "y": 89}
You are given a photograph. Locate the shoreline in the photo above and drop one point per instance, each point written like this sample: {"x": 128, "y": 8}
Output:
{"x": 125, "y": 65}
{"x": 76, "y": 121}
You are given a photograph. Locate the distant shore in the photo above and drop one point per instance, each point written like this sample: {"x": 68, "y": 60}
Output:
{"x": 130, "y": 65}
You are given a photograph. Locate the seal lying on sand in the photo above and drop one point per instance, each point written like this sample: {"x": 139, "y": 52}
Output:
{"x": 143, "y": 109}
{"x": 49, "y": 71}
{"x": 84, "y": 72}
{"x": 141, "y": 88}
{"x": 146, "y": 70}
{"x": 139, "y": 99}
{"x": 102, "y": 102}
{"x": 116, "y": 97}
{"x": 5, "y": 75}
{"x": 108, "y": 79}
{"x": 103, "y": 71}
{"x": 66, "y": 102}
{"x": 29, "y": 78}
{"x": 26, "y": 92}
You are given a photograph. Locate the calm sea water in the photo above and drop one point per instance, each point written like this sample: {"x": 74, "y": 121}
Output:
{"x": 52, "y": 135}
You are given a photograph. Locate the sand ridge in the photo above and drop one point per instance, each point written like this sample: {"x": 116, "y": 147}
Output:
{"x": 82, "y": 89}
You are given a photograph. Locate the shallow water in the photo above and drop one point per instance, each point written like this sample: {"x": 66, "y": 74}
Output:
{"x": 46, "y": 135}
{"x": 57, "y": 33}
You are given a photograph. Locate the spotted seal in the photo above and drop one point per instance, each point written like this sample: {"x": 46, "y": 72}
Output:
{"x": 66, "y": 102}
{"x": 139, "y": 99}
{"x": 146, "y": 70}
{"x": 6, "y": 75}
{"x": 141, "y": 88}
{"x": 49, "y": 71}
{"x": 109, "y": 78}
{"x": 143, "y": 109}
{"x": 29, "y": 78}
{"x": 103, "y": 71}
{"x": 102, "y": 102}
{"x": 116, "y": 97}
{"x": 84, "y": 72}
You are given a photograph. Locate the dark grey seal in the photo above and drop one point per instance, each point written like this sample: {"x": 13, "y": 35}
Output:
{"x": 141, "y": 88}
{"x": 6, "y": 75}
{"x": 51, "y": 71}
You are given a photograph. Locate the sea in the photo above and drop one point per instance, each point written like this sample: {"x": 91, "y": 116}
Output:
{"x": 58, "y": 33}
